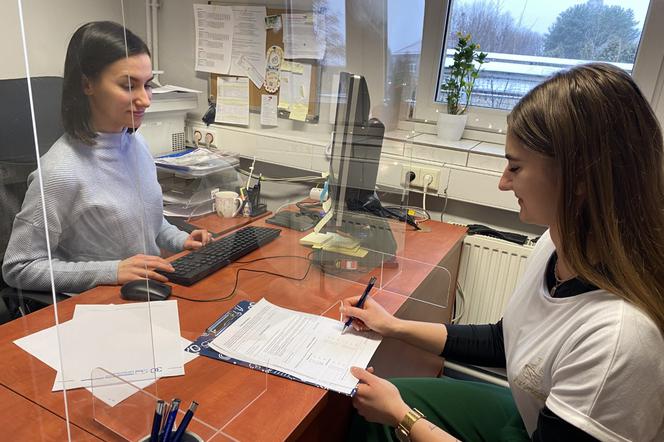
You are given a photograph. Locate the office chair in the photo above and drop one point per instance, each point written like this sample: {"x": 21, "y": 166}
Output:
{"x": 17, "y": 161}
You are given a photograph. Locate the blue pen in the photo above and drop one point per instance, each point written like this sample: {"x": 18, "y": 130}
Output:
{"x": 175, "y": 404}
{"x": 360, "y": 303}
{"x": 185, "y": 421}
{"x": 156, "y": 422}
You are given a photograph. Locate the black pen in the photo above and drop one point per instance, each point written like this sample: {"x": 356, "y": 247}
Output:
{"x": 156, "y": 422}
{"x": 185, "y": 421}
{"x": 360, "y": 303}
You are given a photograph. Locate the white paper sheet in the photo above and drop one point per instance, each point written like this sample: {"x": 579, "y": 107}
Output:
{"x": 248, "y": 40}
{"x": 304, "y": 36}
{"x": 133, "y": 341}
{"x": 232, "y": 100}
{"x": 268, "y": 110}
{"x": 256, "y": 76}
{"x": 44, "y": 346}
{"x": 214, "y": 38}
{"x": 306, "y": 346}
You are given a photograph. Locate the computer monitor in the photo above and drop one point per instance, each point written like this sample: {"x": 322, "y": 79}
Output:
{"x": 356, "y": 146}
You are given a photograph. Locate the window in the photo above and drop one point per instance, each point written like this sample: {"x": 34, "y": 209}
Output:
{"x": 404, "y": 45}
{"x": 527, "y": 41}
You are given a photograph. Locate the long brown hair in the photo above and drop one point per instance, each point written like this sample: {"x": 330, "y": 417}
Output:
{"x": 595, "y": 122}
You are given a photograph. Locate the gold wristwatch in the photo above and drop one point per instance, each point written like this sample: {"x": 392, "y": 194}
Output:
{"x": 403, "y": 429}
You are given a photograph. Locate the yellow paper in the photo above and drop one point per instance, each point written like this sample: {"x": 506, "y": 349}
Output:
{"x": 314, "y": 239}
{"x": 287, "y": 66}
{"x": 298, "y": 112}
{"x": 359, "y": 252}
{"x": 297, "y": 68}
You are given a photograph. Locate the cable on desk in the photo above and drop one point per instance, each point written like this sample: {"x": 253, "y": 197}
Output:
{"x": 237, "y": 276}
{"x": 423, "y": 215}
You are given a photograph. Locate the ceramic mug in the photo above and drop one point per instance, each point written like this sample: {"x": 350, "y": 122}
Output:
{"x": 227, "y": 203}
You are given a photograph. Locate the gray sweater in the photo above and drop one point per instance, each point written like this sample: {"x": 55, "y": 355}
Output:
{"x": 103, "y": 204}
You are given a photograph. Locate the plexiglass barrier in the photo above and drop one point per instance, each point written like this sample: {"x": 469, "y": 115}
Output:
{"x": 313, "y": 152}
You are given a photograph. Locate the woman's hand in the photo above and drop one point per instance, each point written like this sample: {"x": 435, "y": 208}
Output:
{"x": 372, "y": 316}
{"x": 377, "y": 399}
{"x": 197, "y": 239}
{"x": 141, "y": 267}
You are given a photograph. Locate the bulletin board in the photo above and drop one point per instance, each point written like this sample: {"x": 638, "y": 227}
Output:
{"x": 275, "y": 38}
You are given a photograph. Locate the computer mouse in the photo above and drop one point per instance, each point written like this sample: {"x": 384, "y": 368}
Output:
{"x": 138, "y": 290}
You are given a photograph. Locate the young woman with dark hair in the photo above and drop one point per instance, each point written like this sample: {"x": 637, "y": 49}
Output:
{"x": 582, "y": 338}
{"x": 103, "y": 204}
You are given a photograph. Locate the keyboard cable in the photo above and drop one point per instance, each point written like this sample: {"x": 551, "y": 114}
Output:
{"x": 237, "y": 276}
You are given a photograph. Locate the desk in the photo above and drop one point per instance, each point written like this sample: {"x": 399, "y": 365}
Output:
{"x": 288, "y": 410}
{"x": 27, "y": 421}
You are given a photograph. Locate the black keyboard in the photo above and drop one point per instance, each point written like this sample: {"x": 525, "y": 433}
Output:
{"x": 218, "y": 254}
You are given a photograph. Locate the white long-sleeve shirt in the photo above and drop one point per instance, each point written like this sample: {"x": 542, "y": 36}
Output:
{"x": 103, "y": 204}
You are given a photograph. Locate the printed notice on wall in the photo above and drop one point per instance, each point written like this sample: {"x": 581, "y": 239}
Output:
{"x": 304, "y": 36}
{"x": 248, "y": 41}
{"x": 214, "y": 38}
{"x": 232, "y": 100}
{"x": 268, "y": 110}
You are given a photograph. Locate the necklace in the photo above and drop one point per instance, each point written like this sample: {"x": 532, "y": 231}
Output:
{"x": 559, "y": 281}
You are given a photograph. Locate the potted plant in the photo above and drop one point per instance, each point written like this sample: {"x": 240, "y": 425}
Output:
{"x": 468, "y": 60}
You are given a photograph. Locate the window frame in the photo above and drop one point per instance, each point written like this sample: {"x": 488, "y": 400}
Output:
{"x": 485, "y": 123}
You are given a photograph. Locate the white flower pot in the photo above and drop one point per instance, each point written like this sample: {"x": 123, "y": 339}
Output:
{"x": 450, "y": 127}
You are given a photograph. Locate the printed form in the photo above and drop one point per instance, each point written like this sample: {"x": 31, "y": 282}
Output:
{"x": 309, "y": 347}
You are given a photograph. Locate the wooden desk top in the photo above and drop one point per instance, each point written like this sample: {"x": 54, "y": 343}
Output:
{"x": 216, "y": 224}
{"x": 286, "y": 408}
{"x": 29, "y": 422}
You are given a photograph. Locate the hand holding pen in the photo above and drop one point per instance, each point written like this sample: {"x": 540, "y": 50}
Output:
{"x": 358, "y": 306}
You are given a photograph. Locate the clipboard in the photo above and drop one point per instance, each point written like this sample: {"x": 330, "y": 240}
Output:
{"x": 201, "y": 345}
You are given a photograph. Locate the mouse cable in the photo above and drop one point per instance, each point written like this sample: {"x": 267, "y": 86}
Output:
{"x": 237, "y": 276}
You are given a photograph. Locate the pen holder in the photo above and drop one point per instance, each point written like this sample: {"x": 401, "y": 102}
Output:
{"x": 128, "y": 408}
{"x": 253, "y": 196}
{"x": 187, "y": 436}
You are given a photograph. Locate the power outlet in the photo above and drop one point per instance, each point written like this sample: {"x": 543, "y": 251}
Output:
{"x": 421, "y": 174}
{"x": 433, "y": 175}
{"x": 409, "y": 175}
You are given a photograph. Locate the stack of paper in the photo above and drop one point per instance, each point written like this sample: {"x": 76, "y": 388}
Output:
{"x": 197, "y": 162}
{"x": 136, "y": 342}
{"x": 309, "y": 347}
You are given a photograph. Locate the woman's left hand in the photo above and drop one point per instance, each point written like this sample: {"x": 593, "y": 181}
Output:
{"x": 197, "y": 239}
{"x": 377, "y": 399}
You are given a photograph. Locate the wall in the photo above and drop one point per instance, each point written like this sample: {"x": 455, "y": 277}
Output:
{"x": 47, "y": 35}
{"x": 365, "y": 49}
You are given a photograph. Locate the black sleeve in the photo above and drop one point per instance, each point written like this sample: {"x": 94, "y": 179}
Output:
{"x": 550, "y": 427}
{"x": 476, "y": 344}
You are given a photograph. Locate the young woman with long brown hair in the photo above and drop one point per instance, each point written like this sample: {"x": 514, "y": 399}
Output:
{"x": 582, "y": 338}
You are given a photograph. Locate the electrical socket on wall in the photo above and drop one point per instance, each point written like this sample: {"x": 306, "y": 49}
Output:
{"x": 421, "y": 176}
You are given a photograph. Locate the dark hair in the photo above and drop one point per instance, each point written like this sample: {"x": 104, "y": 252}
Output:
{"x": 596, "y": 124}
{"x": 93, "y": 46}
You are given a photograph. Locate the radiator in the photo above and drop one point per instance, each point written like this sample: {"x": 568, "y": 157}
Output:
{"x": 488, "y": 273}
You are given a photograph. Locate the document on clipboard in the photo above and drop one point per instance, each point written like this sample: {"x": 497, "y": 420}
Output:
{"x": 298, "y": 346}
